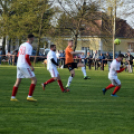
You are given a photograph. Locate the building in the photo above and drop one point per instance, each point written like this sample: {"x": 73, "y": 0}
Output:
{"x": 98, "y": 36}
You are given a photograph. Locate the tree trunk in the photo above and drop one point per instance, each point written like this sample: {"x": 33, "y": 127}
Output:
{"x": 20, "y": 42}
{"x": 9, "y": 46}
{"x": 3, "y": 45}
{"x": 37, "y": 52}
{"x": 75, "y": 45}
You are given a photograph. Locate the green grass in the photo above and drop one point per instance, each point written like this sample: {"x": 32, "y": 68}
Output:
{"x": 82, "y": 111}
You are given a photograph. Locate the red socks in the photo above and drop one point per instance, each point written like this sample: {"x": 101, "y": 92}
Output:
{"x": 116, "y": 89}
{"x": 49, "y": 81}
{"x": 14, "y": 92}
{"x": 31, "y": 90}
{"x": 61, "y": 85}
{"x": 59, "y": 82}
{"x": 110, "y": 86}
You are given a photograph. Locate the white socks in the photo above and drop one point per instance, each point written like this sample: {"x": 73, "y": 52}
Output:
{"x": 84, "y": 71}
{"x": 69, "y": 81}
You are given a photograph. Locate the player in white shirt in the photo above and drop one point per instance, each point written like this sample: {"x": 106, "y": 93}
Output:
{"x": 25, "y": 69}
{"x": 52, "y": 68}
{"x": 114, "y": 69}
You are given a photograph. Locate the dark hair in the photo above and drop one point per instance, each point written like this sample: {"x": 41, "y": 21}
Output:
{"x": 121, "y": 55}
{"x": 30, "y": 36}
{"x": 71, "y": 40}
{"x": 52, "y": 45}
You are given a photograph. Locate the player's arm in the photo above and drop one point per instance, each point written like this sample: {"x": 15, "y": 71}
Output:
{"x": 28, "y": 59}
{"x": 53, "y": 61}
{"x": 121, "y": 69}
{"x": 28, "y": 53}
{"x": 73, "y": 53}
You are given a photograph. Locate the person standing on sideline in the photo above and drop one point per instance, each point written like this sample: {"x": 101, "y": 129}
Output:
{"x": 95, "y": 57}
{"x": 25, "y": 69}
{"x": 112, "y": 75}
{"x": 129, "y": 60}
{"x": 52, "y": 68}
{"x": 9, "y": 56}
{"x": 108, "y": 58}
{"x": 90, "y": 60}
{"x": 58, "y": 56}
{"x": 83, "y": 59}
{"x": 62, "y": 59}
{"x": 69, "y": 61}
{"x": 0, "y": 55}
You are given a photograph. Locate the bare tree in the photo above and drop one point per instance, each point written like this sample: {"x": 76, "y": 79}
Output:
{"x": 76, "y": 18}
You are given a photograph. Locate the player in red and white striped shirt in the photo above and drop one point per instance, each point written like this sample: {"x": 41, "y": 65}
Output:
{"x": 25, "y": 69}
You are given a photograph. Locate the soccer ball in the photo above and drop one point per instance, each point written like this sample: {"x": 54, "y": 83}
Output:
{"x": 117, "y": 41}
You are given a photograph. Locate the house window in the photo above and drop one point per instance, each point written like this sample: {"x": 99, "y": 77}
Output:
{"x": 131, "y": 46}
{"x": 84, "y": 48}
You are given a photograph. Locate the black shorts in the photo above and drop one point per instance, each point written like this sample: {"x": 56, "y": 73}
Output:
{"x": 71, "y": 66}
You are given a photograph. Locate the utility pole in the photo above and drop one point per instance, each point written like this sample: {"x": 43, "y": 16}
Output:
{"x": 114, "y": 28}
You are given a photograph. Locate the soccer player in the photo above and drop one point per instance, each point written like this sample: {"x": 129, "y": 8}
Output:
{"x": 69, "y": 61}
{"x": 114, "y": 69}
{"x": 52, "y": 68}
{"x": 25, "y": 69}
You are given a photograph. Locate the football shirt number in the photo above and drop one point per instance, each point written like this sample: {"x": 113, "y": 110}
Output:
{"x": 22, "y": 50}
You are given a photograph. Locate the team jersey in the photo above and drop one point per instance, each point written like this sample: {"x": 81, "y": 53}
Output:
{"x": 68, "y": 55}
{"x": 24, "y": 49}
{"x": 115, "y": 66}
{"x": 51, "y": 55}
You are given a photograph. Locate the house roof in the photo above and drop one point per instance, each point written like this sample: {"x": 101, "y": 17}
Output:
{"x": 103, "y": 28}
{"x": 99, "y": 24}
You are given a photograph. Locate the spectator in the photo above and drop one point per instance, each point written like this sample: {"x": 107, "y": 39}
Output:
{"x": 62, "y": 59}
{"x": 77, "y": 58}
{"x": 58, "y": 56}
{"x": 90, "y": 60}
{"x": 108, "y": 59}
{"x": 100, "y": 58}
{"x": 0, "y": 55}
{"x": 101, "y": 61}
{"x": 129, "y": 60}
{"x": 95, "y": 57}
{"x": 9, "y": 56}
{"x": 15, "y": 57}
{"x": 83, "y": 59}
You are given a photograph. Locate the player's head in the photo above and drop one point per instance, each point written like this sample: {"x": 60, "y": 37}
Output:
{"x": 30, "y": 38}
{"x": 128, "y": 53}
{"x": 53, "y": 47}
{"x": 70, "y": 43}
{"x": 107, "y": 53}
{"x": 120, "y": 57}
{"x": 88, "y": 53}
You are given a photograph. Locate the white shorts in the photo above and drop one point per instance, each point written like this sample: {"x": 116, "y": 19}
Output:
{"x": 53, "y": 72}
{"x": 24, "y": 72}
{"x": 115, "y": 81}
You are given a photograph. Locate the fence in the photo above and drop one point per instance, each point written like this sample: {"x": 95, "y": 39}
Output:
{"x": 88, "y": 61}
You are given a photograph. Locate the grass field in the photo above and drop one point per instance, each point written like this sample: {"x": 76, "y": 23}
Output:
{"x": 82, "y": 111}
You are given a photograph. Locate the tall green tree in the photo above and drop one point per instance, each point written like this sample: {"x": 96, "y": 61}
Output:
{"x": 34, "y": 17}
{"x": 5, "y": 14}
